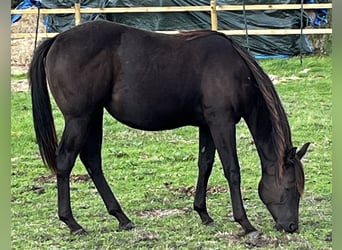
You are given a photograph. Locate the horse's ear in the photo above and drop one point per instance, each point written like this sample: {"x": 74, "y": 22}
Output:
{"x": 301, "y": 152}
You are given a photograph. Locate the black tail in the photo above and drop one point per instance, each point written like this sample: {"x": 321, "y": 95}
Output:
{"x": 41, "y": 106}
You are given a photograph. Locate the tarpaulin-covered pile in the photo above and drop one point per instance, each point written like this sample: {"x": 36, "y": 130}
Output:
{"x": 227, "y": 20}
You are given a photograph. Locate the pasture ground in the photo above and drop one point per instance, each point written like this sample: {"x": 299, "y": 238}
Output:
{"x": 153, "y": 176}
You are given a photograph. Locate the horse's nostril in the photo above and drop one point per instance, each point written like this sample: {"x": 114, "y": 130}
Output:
{"x": 292, "y": 227}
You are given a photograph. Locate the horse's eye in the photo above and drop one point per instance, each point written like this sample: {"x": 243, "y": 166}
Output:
{"x": 283, "y": 198}
{"x": 289, "y": 165}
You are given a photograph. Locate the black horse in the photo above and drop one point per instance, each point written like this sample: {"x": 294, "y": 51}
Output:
{"x": 153, "y": 81}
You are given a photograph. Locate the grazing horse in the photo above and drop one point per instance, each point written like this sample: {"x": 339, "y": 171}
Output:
{"x": 154, "y": 81}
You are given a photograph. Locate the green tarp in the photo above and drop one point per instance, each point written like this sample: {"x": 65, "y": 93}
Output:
{"x": 264, "y": 19}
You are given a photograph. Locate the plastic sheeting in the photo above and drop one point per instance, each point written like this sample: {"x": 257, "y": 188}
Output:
{"x": 271, "y": 19}
{"x": 262, "y": 19}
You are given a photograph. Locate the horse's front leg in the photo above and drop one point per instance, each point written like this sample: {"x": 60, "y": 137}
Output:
{"x": 205, "y": 164}
{"x": 223, "y": 133}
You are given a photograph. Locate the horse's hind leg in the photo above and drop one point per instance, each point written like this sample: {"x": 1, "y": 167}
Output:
{"x": 91, "y": 157}
{"x": 69, "y": 147}
{"x": 205, "y": 164}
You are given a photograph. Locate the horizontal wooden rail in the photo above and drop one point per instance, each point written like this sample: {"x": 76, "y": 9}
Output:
{"x": 274, "y": 7}
{"x": 213, "y": 8}
{"x": 227, "y": 32}
{"x": 278, "y": 32}
{"x": 175, "y": 8}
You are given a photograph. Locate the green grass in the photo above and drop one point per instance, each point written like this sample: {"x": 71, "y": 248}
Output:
{"x": 153, "y": 174}
{"x": 18, "y": 76}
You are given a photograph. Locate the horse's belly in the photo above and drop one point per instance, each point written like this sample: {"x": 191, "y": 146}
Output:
{"x": 148, "y": 114}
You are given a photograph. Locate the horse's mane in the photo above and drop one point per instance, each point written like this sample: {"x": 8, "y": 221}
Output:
{"x": 280, "y": 126}
{"x": 195, "y": 34}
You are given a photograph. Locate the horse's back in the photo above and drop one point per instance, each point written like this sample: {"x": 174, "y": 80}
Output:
{"x": 147, "y": 80}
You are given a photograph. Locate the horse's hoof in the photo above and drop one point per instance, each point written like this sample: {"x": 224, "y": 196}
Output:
{"x": 253, "y": 235}
{"x": 127, "y": 226}
{"x": 210, "y": 223}
{"x": 80, "y": 231}
{"x": 253, "y": 238}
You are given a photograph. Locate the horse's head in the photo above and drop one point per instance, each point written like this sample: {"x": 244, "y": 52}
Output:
{"x": 281, "y": 197}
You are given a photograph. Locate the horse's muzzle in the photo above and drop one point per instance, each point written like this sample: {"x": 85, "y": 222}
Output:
{"x": 290, "y": 227}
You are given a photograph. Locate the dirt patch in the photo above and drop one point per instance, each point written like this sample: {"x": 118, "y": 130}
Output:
{"x": 280, "y": 79}
{"x": 143, "y": 235}
{"x": 158, "y": 213}
{"x": 20, "y": 86}
{"x": 73, "y": 178}
{"x": 190, "y": 190}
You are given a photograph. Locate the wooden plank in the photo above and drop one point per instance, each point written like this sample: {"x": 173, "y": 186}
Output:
{"x": 114, "y": 10}
{"x": 274, "y": 7}
{"x": 145, "y": 9}
{"x": 227, "y": 32}
{"x": 267, "y": 32}
{"x": 278, "y": 32}
{"x": 77, "y": 13}
{"x": 32, "y": 35}
{"x": 213, "y": 15}
{"x": 44, "y": 11}
{"x": 174, "y": 8}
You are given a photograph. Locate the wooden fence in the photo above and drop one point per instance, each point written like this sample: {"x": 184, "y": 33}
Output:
{"x": 213, "y": 8}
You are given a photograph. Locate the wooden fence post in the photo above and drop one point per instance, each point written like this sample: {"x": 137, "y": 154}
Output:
{"x": 77, "y": 7}
{"x": 213, "y": 15}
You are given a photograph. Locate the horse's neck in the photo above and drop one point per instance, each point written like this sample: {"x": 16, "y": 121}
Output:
{"x": 267, "y": 153}
{"x": 261, "y": 128}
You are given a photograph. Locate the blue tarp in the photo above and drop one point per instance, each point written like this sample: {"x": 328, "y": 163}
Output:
{"x": 26, "y": 4}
